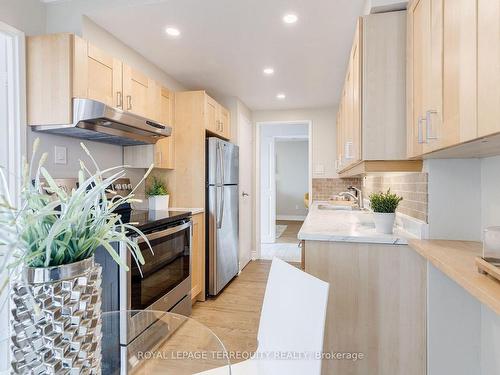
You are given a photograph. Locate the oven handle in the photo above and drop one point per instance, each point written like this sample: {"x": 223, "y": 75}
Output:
{"x": 166, "y": 232}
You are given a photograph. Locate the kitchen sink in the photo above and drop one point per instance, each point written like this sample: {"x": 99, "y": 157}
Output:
{"x": 337, "y": 207}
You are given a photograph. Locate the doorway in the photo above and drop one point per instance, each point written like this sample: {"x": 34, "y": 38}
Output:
{"x": 283, "y": 174}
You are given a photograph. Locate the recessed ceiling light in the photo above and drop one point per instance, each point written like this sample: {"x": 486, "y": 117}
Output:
{"x": 268, "y": 71}
{"x": 172, "y": 31}
{"x": 290, "y": 18}
{"x": 281, "y": 96}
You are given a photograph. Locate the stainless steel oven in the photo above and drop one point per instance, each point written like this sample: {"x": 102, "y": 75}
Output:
{"x": 163, "y": 283}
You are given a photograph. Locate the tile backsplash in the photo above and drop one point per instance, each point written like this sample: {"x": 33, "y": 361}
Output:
{"x": 411, "y": 186}
{"x": 324, "y": 188}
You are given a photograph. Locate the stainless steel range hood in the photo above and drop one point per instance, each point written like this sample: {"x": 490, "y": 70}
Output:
{"x": 95, "y": 121}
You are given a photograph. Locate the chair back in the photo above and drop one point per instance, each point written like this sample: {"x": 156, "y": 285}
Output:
{"x": 292, "y": 322}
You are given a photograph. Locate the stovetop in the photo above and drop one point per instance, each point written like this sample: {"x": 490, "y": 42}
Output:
{"x": 146, "y": 221}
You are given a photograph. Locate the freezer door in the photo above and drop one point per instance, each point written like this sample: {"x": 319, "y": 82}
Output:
{"x": 223, "y": 236}
{"x": 223, "y": 162}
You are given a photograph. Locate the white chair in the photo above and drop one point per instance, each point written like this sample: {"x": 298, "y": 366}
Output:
{"x": 292, "y": 322}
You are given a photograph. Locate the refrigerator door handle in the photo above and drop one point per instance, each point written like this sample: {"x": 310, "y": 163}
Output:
{"x": 222, "y": 163}
{"x": 220, "y": 205}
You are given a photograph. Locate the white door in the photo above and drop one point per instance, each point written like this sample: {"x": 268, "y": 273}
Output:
{"x": 245, "y": 142}
{"x": 12, "y": 130}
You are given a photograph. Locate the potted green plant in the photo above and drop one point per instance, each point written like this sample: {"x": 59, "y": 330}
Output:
{"x": 158, "y": 196}
{"x": 384, "y": 206}
{"x": 47, "y": 247}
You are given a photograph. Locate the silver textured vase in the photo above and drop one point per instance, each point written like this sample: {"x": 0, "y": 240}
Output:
{"x": 65, "y": 336}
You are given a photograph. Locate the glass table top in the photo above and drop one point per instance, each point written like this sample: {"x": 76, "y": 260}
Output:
{"x": 173, "y": 344}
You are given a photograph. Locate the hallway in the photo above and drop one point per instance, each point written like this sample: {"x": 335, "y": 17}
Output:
{"x": 291, "y": 231}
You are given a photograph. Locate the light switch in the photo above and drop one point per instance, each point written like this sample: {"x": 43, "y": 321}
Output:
{"x": 60, "y": 155}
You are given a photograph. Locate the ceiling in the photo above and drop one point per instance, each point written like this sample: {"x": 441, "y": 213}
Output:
{"x": 225, "y": 44}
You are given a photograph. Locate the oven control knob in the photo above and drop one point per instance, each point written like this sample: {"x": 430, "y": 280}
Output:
{"x": 129, "y": 187}
{"x": 118, "y": 187}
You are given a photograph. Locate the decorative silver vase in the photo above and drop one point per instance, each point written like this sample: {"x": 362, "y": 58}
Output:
{"x": 65, "y": 336}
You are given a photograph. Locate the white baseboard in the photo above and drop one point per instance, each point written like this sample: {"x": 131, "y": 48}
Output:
{"x": 291, "y": 217}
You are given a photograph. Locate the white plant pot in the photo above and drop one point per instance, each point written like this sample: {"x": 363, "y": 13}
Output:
{"x": 384, "y": 222}
{"x": 158, "y": 202}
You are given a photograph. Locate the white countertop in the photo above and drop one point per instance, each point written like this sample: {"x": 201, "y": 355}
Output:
{"x": 194, "y": 211}
{"x": 347, "y": 226}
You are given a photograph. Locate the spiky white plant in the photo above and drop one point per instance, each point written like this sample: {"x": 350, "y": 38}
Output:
{"x": 66, "y": 227}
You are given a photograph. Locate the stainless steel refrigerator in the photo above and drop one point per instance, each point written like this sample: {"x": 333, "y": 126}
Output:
{"x": 222, "y": 213}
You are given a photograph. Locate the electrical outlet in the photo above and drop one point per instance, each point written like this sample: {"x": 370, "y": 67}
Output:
{"x": 60, "y": 155}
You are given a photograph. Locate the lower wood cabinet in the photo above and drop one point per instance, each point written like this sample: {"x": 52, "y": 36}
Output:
{"x": 198, "y": 258}
{"x": 376, "y": 307}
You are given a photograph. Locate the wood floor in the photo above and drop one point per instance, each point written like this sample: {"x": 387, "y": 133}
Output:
{"x": 234, "y": 315}
{"x": 291, "y": 231}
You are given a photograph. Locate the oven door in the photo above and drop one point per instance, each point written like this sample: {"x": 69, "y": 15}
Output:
{"x": 161, "y": 283}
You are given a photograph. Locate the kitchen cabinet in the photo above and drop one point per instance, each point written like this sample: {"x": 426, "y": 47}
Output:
{"x": 198, "y": 258}
{"x": 139, "y": 93}
{"x": 96, "y": 75}
{"x": 217, "y": 118}
{"x": 162, "y": 153}
{"x": 165, "y": 147}
{"x": 225, "y": 122}
{"x": 453, "y": 77}
{"x": 488, "y": 70}
{"x": 372, "y": 106}
{"x": 189, "y": 174}
{"x": 63, "y": 66}
{"x": 377, "y": 306}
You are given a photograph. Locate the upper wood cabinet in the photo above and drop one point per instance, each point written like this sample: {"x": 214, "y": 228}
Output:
{"x": 162, "y": 153}
{"x": 217, "y": 118}
{"x": 453, "y": 74}
{"x": 164, "y": 148}
{"x": 96, "y": 75}
{"x": 225, "y": 122}
{"x": 140, "y": 93}
{"x": 371, "y": 115}
{"x": 63, "y": 66}
{"x": 488, "y": 72}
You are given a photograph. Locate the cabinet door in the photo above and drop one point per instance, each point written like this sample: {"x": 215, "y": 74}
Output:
{"x": 198, "y": 258}
{"x": 224, "y": 122}
{"x": 356, "y": 95}
{"x": 348, "y": 118}
{"x": 459, "y": 69}
{"x": 97, "y": 75}
{"x": 488, "y": 59}
{"x": 419, "y": 14}
{"x": 138, "y": 90}
{"x": 164, "y": 148}
{"x": 211, "y": 115}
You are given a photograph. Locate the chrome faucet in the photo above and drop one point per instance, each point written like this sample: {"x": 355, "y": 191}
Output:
{"x": 358, "y": 197}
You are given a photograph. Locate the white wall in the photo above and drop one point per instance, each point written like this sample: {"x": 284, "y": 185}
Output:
{"x": 490, "y": 191}
{"x": 323, "y": 137}
{"x": 267, "y": 133}
{"x": 292, "y": 179}
{"x": 28, "y": 16}
{"x": 454, "y": 198}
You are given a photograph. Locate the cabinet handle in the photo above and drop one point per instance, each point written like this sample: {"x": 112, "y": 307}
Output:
{"x": 428, "y": 124}
{"x": 420, "y": 130}
{"x": 119, "y": 99}
{"x": 129, "y": 102}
